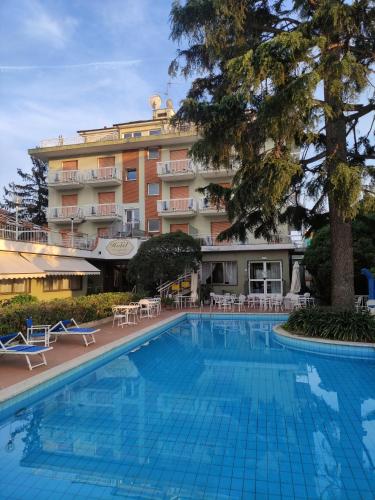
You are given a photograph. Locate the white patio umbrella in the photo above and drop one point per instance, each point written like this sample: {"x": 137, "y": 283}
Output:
{"x": 295, "y": 286}
{"x": 194, "y": 287}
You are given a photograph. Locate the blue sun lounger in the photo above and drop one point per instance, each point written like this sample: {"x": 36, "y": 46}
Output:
{"x": 69, "y": 327}
{"x": 10, "y": 344}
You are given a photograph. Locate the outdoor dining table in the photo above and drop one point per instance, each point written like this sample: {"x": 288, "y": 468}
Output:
{"x": 127, "y": 311}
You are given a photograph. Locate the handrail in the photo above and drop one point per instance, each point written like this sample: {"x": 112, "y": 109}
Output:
{"x": 107, "y": 136}
{"x": 170, "y": 167}
{"x": 177, "y": 205}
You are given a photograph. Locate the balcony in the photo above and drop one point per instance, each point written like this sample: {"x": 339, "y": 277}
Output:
{"x": 64, "y": 215}
{"x": 103, "y": 212}
{"x": 176, "y": 170}
{"x": 106, "y": 176}
{"x": 211, "y": 242}
{"x": 208, "y": 208}
{"x": 209, "y": 172}
{"x": 182, "y": 207}
{"x": 65, "y": 179}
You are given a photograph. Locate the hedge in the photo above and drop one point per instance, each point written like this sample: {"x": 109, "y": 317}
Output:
{"x": 82, "y": 309}
{"x": 335, "y": 324}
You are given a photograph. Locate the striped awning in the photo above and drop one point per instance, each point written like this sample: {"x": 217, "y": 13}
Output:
{"x": 14, "y": 266}
{"x": 55, "y": 265}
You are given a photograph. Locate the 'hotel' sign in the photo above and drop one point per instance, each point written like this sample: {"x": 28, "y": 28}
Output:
{"x": 119, "y": 247}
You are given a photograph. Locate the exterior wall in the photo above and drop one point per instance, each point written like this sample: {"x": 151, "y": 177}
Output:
{"x": 130, "y": 159}
{"x": 151, "y": 176}
{"x": 86, "y": 195}
{"x": 36, "y": 289}
{"x": 242, "y": 259}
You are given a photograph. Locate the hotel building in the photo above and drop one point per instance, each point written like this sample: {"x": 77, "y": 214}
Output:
{"x": 133, "y": 180}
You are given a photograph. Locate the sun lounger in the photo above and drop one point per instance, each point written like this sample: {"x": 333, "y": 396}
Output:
{"x": 70, "y": 327}
{"x": 10, "y": 344}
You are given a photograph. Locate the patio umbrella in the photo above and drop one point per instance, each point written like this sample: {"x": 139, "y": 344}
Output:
{"x": 194, "y": 287}
{"x": 295, "y": 286}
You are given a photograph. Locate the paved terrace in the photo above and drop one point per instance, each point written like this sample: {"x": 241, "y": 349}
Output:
{"x": 68, "y": 353}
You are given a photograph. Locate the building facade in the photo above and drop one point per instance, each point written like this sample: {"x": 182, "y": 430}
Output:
{"x": 135, "y": 180}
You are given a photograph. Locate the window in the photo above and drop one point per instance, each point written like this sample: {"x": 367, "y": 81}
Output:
{"x": 219, "y": 273}
{"x": 131, "y": 174}
{"x": 265, "y": 277}
{"x": 154, "y": 225}
{"x": 153, "y": 153}
{"x": 156, "y": 131}
{"x": 129, "y": 135}
{"x": 57, "y": 284}
{"x": 153, "y": 189}
{"x": 132, "y": 216}
{"x": 14, "y": 286}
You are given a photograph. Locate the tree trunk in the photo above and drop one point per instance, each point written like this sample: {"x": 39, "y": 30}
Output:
{"x": 342, "y": 281}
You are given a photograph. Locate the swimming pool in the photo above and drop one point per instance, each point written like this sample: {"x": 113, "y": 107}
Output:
{"x": 209, "y": 408}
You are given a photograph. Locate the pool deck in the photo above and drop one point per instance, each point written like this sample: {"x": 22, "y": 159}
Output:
{"x": 68, "y": 353}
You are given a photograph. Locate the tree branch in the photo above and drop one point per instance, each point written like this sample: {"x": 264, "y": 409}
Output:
{"x": 362, "y": 112}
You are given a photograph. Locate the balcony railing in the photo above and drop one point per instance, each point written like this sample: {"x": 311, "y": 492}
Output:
{"x": 104, "y": 174}
{"x": 105, "y": 210}
{"x": 64, "y": 213}
{"x": 10, "y": 229}
{"x": 206, "y": 206}
{"x": 175, "y": 206}
{"x": 64, "y": 177}
{"x": 212, "y": 240}
{"x": 112, "y": 136}
{"x": 176, "y": 168}
{"x": 209, "y": 171}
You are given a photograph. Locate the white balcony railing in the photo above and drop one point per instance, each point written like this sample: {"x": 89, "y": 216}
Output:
{"x": 103, "y": 210}
{"x": 103, "y": 174}
{"x": 177, "y": 205}
{"x": 211, "y": 171}
{"x": 64, "y": 177}
{"x": 62, "y": 213}
{"x": 205, "y": 205}
{"x": 176, "y": 167}
{"x": 112, "y": 136}
{"x": 212, "y": 240}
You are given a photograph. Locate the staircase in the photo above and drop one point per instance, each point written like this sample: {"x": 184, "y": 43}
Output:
{"x": 181, "y": 285}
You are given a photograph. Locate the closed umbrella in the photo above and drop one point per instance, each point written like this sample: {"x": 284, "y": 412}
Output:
{"x": 295, "y": 286}
{"x": 194, "y": 287}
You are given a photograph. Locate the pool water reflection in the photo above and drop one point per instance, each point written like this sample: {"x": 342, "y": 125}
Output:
{"x": 209, "y": 409}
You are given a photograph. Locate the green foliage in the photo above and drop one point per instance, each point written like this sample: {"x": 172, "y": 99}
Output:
{"x": 22, "y": 298}
{"x": 82, "y": 309}
{"x": 335, "y": 324}
{"x": 276, "y": 77}
{"x": 317, "y": 258}
{"x": 32, "y": 191}
{"x": 163, "y": 258}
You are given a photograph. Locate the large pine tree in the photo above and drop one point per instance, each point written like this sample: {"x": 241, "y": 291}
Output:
{"x": 30, "y": 194}
{"x": 272, "y": 76}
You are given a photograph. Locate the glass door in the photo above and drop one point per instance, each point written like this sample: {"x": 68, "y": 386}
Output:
{"x": 265, "y": 277}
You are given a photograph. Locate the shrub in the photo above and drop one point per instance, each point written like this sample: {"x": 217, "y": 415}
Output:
{"x": 82, "y": 309}
{"x": 336, "y": 324}
{"x": 22, "y": 298}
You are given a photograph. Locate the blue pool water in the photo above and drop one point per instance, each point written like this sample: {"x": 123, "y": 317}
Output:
{"x": 210, "y": 409}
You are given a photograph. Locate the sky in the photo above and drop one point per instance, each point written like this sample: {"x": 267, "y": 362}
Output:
{"x": 68, "y": 65}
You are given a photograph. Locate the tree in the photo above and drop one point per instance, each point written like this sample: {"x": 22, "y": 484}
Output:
{"x": 275, "y": 76}
{"x": 30, "y": 194}
{"x": 163, "y": 258}
{"x": 317, "y": 256}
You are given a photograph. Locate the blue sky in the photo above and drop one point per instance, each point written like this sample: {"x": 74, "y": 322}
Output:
{"x": 67, "y": 65}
